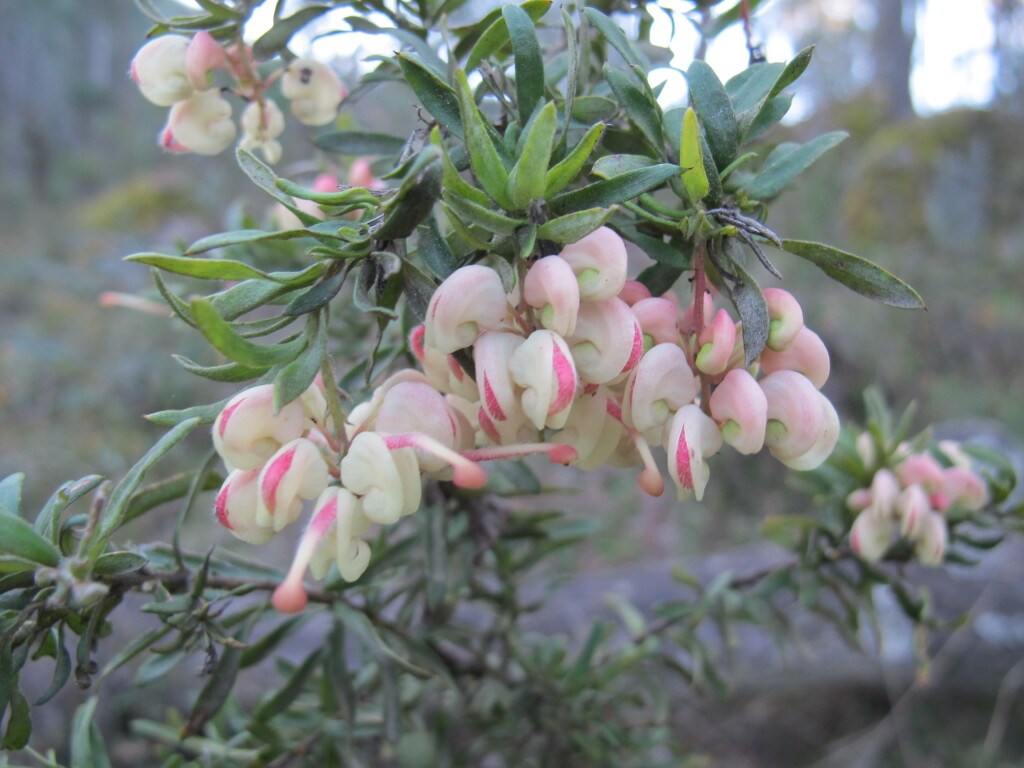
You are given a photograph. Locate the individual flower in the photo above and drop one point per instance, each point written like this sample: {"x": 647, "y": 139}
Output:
{"x": 543, "y": 367}
{"x": 499, "y": 396}
{"x": 202, "y": 56}
{"x": 388, "y": 481}
{"x": 297, "y": 471}
{"x": 870, "y": 536}
{"x": 551, "y": 287}
{"x": 247, "y": 431}
{"x": 716, "y": 342}
{"x": 201, "y": 124}
{"x": 659, "y": 320}
{"x": 740, "y": 408}
{"x": 660, "y": 384}
{"x": 314, "y": 90}
{"x": 803, "y": 426}
{"x": 607, "y": 342}
{"x": 470, "y": 301}
{"x": 690, "y": 438}
{"x": 262, "y": 123}
{"x": 785, "y": 318}
{"x": 159, "y": 70}
{"x": 931, "y": 540}
{"x": 805, "y": 354}
{"x": 235, "y": 507}
{"x": 599, "y": 262}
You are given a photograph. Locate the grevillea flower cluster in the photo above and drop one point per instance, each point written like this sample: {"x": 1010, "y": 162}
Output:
{"x": 177, "y": 71}
{"x": 911, "y": 501}
{"x": 576, "y": 362}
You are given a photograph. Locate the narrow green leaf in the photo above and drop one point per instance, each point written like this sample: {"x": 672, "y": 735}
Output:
{"x": 489, "y": 219}
{"x": 133, "y": 649}
{"x": 526, "y": 240}
{"x": 610, "y": 166}
{"x": 117, "y": 503}
{"x": 715, "y": 111}
{"x": 46, "y": 523}
{"x": 483, "y": 156}
{"x": 590, "y": 109}
{"x": 228, "y": 372}
{"x": 295, "y": 378}
{"x": 239, "y": 237}
{"x": 203, "y": 414}
{"x": 263, "y": 177}
{"x": 86, "y": 751}
{"x": 857, "y": 274}
{"x": 528, "y": 59}
{"x": 206, "y": 269}
{"x": 752, "y": 308}
{"x": 223, "y": 337}
{"x": 118, "y": 563}
{"x": 574, "y": 226}
{"x": 250, "y": 294}
{"x": 475, "y": 237}
{"x": 359, "y": 143}
{"x": 261, "y": 649}
{"x": 496, "y": 35}
{"x": 415, "y": 198}
{"x": 61, "y": 669}
{"x": 793, "y": 70}
{"x": 282, "y": 698}
{"x": 276, "y": 39}
{"x": 317, "y": 296}
{"x": 528, "y": 179}
{"x": 570, "y": 167}
{"x": 612, "y": 191}
{"x": 158, "y": 665}
{"x": 572, "y": 75}
{"x": 417, "y": 288}
{"x": 437, "y": 96}
{"x": 220, "y": 684}
{"x": 644, "y": 113}
{"x": 616, "y": 38}
{"x": 691, "y": 160}
{"x": 19, "y": 722}
{"x": 169, "y": 489}
{"x": 434, "y": 249}
{"x": 406, "y": 36}
{"x": 781, "y": 168}
{"x": 19, "y": 538}
{"x": 770, "y": 114}
{"x": 660, "y": 277}
{"x": 751, "y": 96}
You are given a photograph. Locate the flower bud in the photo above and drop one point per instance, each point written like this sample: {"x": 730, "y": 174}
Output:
{"x": 740, "y": 407}
{"x": 202, "y": 123}
{"x": 297, "y": 471}
{"x": 805, "y": 354}
{"x": 202, "y": 56}
{"x": 599, "y": 262}
{"x": 607, "y": 341}
{"x": 912, "y": 508}
{"x": 659, "y": 321}
{"x": 690, "y": 438}
{"x": 551, "y": 287}
{"x": 470, "y": 301}
{"x": 261, "y": 125}
{"x": 963, "y": 489}
{"x": 885, "y": 490}
{"x": 923, "y": 469}
{"x": 236, "y": 505}
{"x": 931, "y": 540}
{"x": 785, "y": 316}
{"x": 159, "y": 70}
{"x": 803, "y": 426}
{"x": 716, "y": 340}
{"x": 247, "y": 432}
{"x": 314, "y": 90}
{"x": 660, "y": 385}
{"x": 870, "y": 536}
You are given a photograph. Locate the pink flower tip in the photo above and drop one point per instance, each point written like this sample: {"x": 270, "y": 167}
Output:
{"x": 562, "y": 454}
{"x": 651, "y": 482}
{"x": 290, "y": 597}
{"x": 470, "y": 475}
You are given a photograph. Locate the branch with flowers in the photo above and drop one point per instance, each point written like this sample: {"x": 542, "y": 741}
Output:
{"x": 471, "y": 295}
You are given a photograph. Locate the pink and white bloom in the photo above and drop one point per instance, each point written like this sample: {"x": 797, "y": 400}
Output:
{"x": 470, "y": 301}
{"x": 297, "y": 471}
{"x": 332, "y": 534}
{"x": 932, "y": 539}
{"x": 660, "y": 384}
{"x": 608, "y": 342}
{"x": 261, "y": 125}
{"x": 740, "y": 408}
{"x": 201, "y": 124}
{"x": 235, "y": 507}
{"x": 785, "y": 318}
{"x": 388, "y": 481}
{"x": 716, "y": 342}
{"x": 159, "y": 70}
{"x": 923, "y": 469}
{"x": 543, "y": 367}
{"x": 806, "y": 354}
{"x": 551, "y": 287}
{"x": 314, "y": 90}
{"x": 870, "y": 536}
{"x": 803, "y": 426}
{"x": 690, "y": 438}
{"x": 659, "y": 321}
{"x": 961, "y": 489}
{"x": 885, "y": 492}
{"x": 599, "y": 262}
{"x": 247, "y": 431}
{"x": 202, "y": 56}
{"x": 499, "y": 395}
{"x": 912, "y": 507}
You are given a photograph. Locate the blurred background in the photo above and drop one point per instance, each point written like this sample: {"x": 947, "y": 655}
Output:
{"x": 930, "y": 185}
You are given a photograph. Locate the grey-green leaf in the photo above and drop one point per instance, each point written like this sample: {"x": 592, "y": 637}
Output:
{"x": 528, "y": 59}
{"x": 276, "y": 38}
{"x": 625, "y": 187}
{"x": 716, "y": 112}
{"x": 574, "y": 226}
{"x": 858, "y": 274}
{"x": 781, "y": 168}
